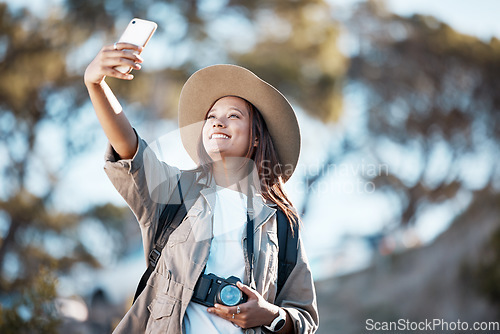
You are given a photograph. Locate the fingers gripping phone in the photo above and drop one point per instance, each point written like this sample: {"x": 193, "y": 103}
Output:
{"x": 138, "y": 32}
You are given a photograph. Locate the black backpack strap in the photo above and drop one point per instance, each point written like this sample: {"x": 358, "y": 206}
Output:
{"x": 170, "y": 218}
{"x": 250, "y": 224}
{"x": 288, "y": 243}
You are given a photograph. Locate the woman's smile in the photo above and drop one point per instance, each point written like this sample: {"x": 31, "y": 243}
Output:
{"x": 219, "y": 135}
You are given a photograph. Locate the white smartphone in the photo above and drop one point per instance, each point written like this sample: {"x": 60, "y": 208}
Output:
{"x": 138, "y": 32}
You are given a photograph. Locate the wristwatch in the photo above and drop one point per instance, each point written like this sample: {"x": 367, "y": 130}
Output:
{"x": 278, "y": 322}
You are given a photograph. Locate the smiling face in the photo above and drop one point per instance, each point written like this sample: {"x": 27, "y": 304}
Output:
{"x": 226, "y": 132}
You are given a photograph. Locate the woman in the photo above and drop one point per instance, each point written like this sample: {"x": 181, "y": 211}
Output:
{"x": 229, "y": 120}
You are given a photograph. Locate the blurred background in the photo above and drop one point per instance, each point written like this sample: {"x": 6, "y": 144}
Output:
{"x": 398, "y": 182}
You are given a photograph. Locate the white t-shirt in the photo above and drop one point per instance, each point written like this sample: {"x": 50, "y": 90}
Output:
{"x": 226, "y": 259}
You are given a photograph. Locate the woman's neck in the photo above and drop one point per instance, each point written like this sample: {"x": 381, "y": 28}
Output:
{"x": 228, "y": 172}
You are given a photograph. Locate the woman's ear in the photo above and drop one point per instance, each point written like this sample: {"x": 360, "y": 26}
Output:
{"x": 256, "y": 142}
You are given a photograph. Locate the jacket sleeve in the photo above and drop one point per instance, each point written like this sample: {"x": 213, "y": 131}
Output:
{"x": 298, "y": 295}
{"x": 145, "y": 183}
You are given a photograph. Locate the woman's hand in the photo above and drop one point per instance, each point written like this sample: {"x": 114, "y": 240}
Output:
{"x": 108, "y": 58}
{"x": 255, "y": 312}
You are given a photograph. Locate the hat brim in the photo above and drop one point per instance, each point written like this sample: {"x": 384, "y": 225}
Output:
{"x": 211, "y": 83}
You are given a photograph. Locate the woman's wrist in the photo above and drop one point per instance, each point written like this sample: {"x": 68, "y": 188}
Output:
{"x": 281, "y": 322}
{"x": 274, "y": 311}
{"x": 90, "y": 84}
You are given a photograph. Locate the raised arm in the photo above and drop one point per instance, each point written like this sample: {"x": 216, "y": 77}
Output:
{"x": 107, "y": 108}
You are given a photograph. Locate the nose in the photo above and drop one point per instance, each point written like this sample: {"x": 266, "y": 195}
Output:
{"x": 216, "y": 123}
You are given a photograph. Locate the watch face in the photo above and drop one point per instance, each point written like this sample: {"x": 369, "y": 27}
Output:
{"x": 279, "y": 325}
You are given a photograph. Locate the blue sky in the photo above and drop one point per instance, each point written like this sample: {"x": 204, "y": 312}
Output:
{"x": 474, "y": 17}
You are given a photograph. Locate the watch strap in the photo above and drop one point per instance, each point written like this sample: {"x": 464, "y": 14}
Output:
{"x": 279, "y": 322}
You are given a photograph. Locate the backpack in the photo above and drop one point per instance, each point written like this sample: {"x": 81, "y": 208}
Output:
{"x": 175, "y": 211}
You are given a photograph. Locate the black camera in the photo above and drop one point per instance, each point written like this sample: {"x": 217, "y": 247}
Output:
{"x": 211, "y": 289}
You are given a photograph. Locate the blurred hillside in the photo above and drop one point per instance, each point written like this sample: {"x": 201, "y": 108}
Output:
{"x": 454, "y": 278}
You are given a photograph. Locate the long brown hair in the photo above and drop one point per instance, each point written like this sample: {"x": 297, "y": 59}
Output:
{"x": 265, "y": 157}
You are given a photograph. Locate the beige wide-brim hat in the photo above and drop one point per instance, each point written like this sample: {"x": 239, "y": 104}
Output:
{"x": 211, "y": 83}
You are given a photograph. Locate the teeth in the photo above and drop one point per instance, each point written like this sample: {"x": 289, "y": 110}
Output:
{"x": 220, "y": 135}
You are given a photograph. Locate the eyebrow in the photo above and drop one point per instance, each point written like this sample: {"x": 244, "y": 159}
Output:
{"x": 238, "y": 110}
{"x": 230, "y": 108}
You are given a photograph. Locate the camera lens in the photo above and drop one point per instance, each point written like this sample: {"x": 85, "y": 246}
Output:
{"x": 230, "y": 295}
{"x": 133, "y": 22}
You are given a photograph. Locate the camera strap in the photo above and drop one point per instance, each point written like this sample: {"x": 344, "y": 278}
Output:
{"x": 250, "y": 224}
{"x": 250, "y": 233}
{"x": 288, "y": 239}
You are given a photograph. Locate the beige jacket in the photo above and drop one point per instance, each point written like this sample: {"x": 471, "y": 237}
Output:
{"x": 146, "y": 184}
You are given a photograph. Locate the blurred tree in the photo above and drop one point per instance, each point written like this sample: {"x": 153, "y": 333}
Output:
{"x": 428, "y": 90}
{"x": 38, "y": 241}
{"x": 291, "y": 44}
{"x": 34, "y": 312}
{"x": 297, "y": 50}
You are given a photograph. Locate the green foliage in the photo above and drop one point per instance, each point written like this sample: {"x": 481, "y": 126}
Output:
{"x": 39, "y": 240}
{"x": 487, "y": 273}
{"x": 297, "y": 51}
{"x": 34, "y": 310}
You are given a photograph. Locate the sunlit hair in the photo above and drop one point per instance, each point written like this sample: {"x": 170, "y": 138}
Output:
{"x": 266, "y": 160}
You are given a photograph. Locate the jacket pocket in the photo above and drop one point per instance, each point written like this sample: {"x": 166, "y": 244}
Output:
{"x": 161, "y": 310}
{"x": 182, "y": 232}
